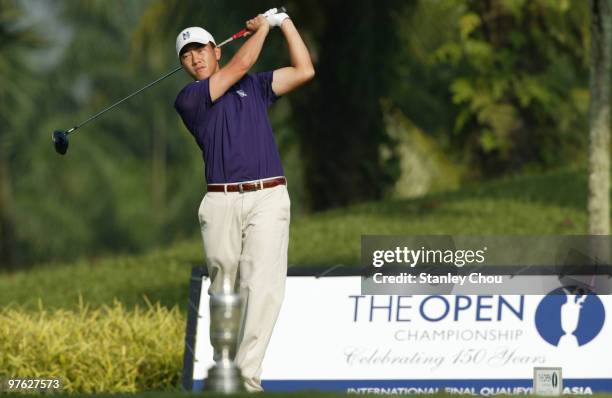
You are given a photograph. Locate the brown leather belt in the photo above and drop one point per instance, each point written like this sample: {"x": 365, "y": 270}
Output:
{"x": 247, "y": 186}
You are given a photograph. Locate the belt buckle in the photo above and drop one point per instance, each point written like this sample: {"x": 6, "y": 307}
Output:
{"x": 240, "y": 188}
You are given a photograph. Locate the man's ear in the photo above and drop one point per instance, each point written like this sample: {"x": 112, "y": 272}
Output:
{"x": 218, "y": 53}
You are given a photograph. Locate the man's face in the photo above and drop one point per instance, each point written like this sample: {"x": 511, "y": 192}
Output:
{"x": 200, "y": 60}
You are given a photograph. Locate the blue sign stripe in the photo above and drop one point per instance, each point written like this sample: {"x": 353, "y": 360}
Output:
{"x": 596, "y": 385}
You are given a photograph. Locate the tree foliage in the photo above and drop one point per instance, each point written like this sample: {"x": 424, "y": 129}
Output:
{"x": 339, "y": 116}
{"x": 107, "y": 193}
{"x": 15, "y": 99}
{"x": 519, "y": 82}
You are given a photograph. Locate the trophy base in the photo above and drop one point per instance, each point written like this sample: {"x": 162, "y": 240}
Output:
{"x": 224, "y": 379}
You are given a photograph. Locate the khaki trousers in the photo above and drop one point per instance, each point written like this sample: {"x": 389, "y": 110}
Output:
{"x": 246, "y": 236}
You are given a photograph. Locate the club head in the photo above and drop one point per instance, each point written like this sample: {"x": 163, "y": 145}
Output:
{"x": 60, "y": 141}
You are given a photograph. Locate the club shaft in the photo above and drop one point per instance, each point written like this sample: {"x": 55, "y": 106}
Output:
{"x": 172, "y": 72}
{"x": 123, "y": 100}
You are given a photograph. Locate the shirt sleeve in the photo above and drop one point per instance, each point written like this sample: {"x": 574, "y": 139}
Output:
{"x": 193, "y": 100}
{"x": 264, "y": 82}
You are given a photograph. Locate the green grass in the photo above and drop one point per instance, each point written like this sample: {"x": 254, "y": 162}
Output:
{"x": 108, "y": 349}
{"x": 550, "y": 203}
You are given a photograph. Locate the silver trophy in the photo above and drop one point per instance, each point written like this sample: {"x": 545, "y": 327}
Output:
{"x": 225, "y": 317}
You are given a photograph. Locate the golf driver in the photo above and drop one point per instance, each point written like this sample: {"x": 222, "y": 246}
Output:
{"x": 60, "y": 137}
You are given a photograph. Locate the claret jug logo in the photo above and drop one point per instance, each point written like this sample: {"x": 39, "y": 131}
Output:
{"x": 570, "y": 318}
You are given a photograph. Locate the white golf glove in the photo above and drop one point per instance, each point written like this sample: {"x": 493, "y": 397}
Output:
{"x": 277, "y": 19}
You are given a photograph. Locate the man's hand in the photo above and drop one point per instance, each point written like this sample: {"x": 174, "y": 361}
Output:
{"x": 277, "y": 19}
{"x": 257, "y": 23}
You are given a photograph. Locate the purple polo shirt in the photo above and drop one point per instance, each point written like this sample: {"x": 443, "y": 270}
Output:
{"x": 234, "y": 132}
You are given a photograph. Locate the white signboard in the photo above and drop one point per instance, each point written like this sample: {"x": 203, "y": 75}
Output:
{"x": 330, "y": 337}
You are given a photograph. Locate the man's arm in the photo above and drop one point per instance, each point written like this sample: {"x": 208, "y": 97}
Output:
{"x": 242, "y": 61}
{"x": 301, "y": 69}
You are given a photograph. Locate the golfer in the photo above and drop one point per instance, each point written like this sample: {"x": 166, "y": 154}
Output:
{"x": 244, "y": 216}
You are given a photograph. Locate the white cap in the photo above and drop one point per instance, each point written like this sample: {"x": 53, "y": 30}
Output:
{"x": 194, "y": 34}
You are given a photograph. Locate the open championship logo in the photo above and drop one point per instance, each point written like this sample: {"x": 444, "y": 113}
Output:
{"x": 566, "y": 318}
